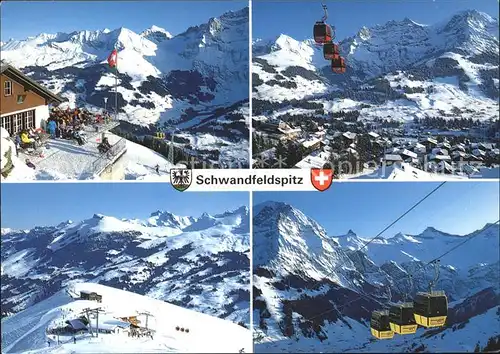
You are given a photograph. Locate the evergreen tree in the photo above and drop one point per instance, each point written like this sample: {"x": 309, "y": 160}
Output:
{"x": 281, "y": 152}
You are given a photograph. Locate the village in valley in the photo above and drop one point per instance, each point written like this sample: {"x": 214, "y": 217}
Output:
{"x": 352, "y": 147}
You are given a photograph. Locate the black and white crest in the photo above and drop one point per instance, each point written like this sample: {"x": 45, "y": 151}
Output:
{"x": 180, "y": 178}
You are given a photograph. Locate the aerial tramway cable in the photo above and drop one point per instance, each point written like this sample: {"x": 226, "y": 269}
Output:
{"x": 419, "y": 268}
{"x": 394, "y": 222}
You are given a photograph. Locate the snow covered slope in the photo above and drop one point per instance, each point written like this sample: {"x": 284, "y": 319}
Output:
{"x": 27, "y": 330}
{"x": 65, "y": 160}
{"x": 315, "y": 292}
{"x": 196, "y": 81}
{"x": 399, "y": 70}
{"x": 195, "y": 262}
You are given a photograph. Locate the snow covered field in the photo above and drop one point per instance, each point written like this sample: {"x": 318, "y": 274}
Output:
{"x": 26, "y": 331}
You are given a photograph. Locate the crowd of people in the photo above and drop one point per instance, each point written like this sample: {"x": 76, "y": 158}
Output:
{"x": 71, "y": 123}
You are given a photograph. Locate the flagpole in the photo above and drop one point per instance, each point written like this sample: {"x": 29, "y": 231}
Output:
{"x": 116, "y": 87}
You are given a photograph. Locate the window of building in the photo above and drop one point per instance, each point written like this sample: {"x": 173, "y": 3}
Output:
{"x": 20, "y": 99}
{"x": 19, "y": 121}
{"x": 7, "y": 124}
{"x": 29, "y": 120}
{"x": 7, "y": 88}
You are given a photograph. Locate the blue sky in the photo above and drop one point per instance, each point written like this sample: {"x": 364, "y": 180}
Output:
{"x": 296, "y": 18}
{"x": 368, "y": 208}
{"x": 67, "y": 16}
{"x": 45, "y": 204}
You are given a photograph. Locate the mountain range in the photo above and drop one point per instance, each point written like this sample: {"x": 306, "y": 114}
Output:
{"x": 399, "y": 70}
{"x": 195, "y": 82}
{"x": 199, "y": 263}
{"x": 315, "y": 292}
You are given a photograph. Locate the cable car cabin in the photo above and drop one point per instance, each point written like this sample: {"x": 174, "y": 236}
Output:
{"x": 380, "y": 326}
{"x": 322, "y": 33}
{"x": 338, "y": 65}
{"x": 401, "y": 318}
{"x": 331, "y": 51}
{"x": 430, "y": 309}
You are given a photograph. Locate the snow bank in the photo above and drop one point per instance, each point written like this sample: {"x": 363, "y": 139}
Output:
{"x": 13, "y": 168}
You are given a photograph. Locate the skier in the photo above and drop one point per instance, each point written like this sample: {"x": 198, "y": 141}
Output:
{"x": 157, "y": 169}
{"x": 74, "y": 340}
{"x": 48, "y": 343}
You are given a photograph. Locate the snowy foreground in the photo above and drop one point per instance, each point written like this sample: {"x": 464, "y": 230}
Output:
{"x": 405, "y": 172}
{"x": 26, "y": 331}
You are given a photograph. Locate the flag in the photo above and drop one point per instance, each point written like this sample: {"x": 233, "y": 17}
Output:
{"x": 113, "y": 58}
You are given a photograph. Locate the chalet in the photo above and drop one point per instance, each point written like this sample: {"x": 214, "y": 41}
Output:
{"x": 350, "y": 137}
{"x": 444, "y": 145}
{"x": 407, "y": 154}
{"x": 485, "y": 146}
{"x": 110, "y": 326}
{"x": 75, "y": 326}
{"x": 439, "y": 157}
{"x": 24, "y": 103}
{"x": 429, "y": 143}
{"x": 314, "y": 160}
{"x": 445, "y": 167}
{"x": 373, "y": 135}
{"x": 478, "y": 153}
{"x": 391, "y": 159}
{"x": 92, "y": 296}
{"x": 459, "y": 155}
{"x": 312, "y": 144}
{"x": 419, "y": 148}
{"x": 439, "y": 151}
{"x": 458, "y": 147}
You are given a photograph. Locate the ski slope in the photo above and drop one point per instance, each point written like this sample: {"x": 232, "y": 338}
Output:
{"x": 26, "y": 330}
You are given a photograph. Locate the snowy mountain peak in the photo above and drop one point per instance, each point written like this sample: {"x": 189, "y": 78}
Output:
{"x": 206, "y": 216}
{"x": 64, "y": 224}
{"x": 165, "y": 218}
{"x": 156, "y": 34}
{"x": 243, "y": 210}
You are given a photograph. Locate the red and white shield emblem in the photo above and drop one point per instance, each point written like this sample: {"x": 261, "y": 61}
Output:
{"x": 321, "y": 179}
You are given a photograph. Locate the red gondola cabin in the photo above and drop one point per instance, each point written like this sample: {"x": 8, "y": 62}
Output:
{"x": 322, "y": 33}
{"x": 331, "y": 51}
{"x": 338, "y": 65}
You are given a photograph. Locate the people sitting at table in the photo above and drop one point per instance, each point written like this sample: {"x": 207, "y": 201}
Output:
{"x": 26, "y": 141}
